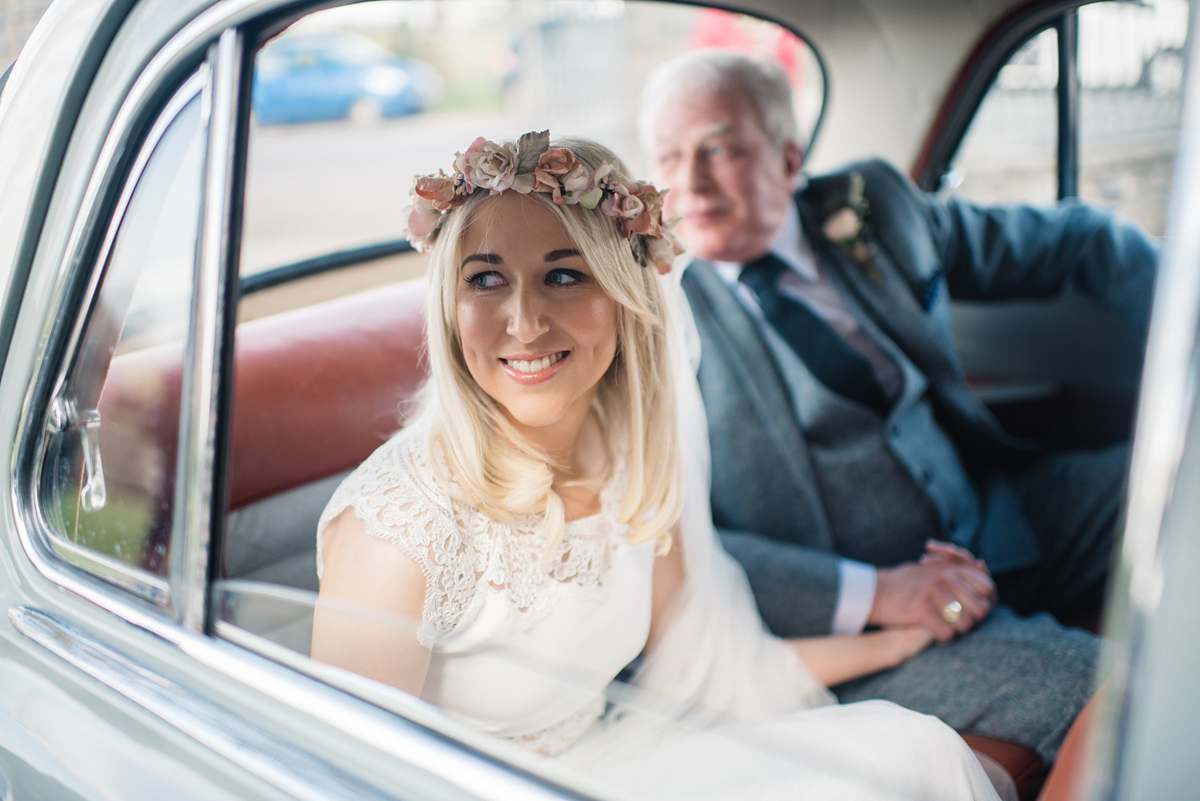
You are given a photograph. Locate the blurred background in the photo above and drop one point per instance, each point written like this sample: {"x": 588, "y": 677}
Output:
{"x": 17, "y": 18}
{"x": 351, "y": 102}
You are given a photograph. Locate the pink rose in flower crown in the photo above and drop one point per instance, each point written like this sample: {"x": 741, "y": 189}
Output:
{"x": 488, "y": 165}
{"x": 603, "y": 180}
{"x": 662, "y": 251}
{"x": 575, "y": 184}
{"x": 653, "y": 200}
{"x": 561, "y": 174}
{"x": 552, "y": 165}
{"x": 423, "y": 218}
{"x": 438, "y": 190}
{"x": 629, "y": 209}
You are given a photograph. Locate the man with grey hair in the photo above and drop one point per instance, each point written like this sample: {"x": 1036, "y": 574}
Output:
{"x": 855, "y": 476}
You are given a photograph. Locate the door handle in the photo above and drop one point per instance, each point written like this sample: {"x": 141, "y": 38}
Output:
{"x": 65, "y": 416}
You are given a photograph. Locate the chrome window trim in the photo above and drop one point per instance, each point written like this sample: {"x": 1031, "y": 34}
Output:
{"x": 386, "y": 726}
{"x": 299, "y": 773}
{"x": 151, "y": 83}
{"x": 41, "y": 542}
{"x": 139, "y": 582}
{"x": 382, "y": 725}
{"x": 382, "y": 719}
{"x": 198, "y": 418}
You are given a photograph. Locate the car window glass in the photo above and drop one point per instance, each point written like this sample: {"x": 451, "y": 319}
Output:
{"x": 1130, "y": 68}
{"x": 108, "y": 477}
{"x": 351, "y": 102}
{"x": 274, "y": 620}
{"x": 1009, "y": 151}
{"x": 333, "y": 147}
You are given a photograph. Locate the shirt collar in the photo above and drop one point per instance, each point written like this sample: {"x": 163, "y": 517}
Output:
{"x": 789, "y": 245}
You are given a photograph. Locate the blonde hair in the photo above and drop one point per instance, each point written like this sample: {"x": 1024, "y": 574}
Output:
{"x": 488, "y": 464}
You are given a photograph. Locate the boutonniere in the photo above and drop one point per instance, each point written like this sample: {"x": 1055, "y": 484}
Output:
{"x": 848, "y": 227}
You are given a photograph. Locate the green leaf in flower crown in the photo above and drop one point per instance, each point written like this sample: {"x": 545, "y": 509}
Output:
{"x": 530, "y": 148}
{"x": 593, "y": 196}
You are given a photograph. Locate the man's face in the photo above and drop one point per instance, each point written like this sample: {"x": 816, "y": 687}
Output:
{"x": 729, "y": 185}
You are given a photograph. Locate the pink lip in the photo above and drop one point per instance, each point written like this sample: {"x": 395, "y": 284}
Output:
{"x": 528, "y": 379}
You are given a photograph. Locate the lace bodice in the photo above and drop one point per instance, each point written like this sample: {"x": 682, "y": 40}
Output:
{"x": 520, "y": 647}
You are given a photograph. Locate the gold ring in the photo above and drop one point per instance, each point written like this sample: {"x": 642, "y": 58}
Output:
{"x": 952, "y": 612}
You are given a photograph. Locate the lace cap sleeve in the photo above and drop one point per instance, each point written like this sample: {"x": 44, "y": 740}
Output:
{"x": 394, "y": 494}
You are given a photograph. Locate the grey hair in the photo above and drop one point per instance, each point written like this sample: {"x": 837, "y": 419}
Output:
{"x": 762, "y": 80}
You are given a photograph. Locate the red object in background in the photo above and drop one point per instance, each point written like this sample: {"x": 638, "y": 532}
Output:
{"x": 719, "y": 29}
{"x": 726, "y": 30}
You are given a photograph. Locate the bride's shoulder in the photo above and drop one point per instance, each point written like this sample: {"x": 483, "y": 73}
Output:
{"x": 395, "y": 498}
{"x": 395, "y": 493}
{"x": 401, "y": 467}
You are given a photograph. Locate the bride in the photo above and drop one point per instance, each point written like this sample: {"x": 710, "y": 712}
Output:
{"x": 549, "y": 500}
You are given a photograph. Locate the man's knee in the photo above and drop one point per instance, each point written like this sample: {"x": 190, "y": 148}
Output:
{"x": 1013, "y": 678}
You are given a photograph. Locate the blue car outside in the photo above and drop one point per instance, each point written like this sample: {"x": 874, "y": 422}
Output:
{"x": 332, "y": 76}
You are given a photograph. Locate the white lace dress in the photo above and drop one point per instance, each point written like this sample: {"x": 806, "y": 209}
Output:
{"x": 518, "y": 650}
{"x": 525, "y": 652}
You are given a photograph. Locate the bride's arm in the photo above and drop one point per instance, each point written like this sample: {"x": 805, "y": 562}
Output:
{"x": 840, "y": 658}
{"x": 373, "y": 575}
{"x": 832, "y": 660}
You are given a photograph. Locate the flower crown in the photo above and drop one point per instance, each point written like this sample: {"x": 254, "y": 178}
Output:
{"x": 531, "y": 165}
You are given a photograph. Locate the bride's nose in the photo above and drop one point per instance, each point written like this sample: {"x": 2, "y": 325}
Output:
{"x": 527, "y": 315}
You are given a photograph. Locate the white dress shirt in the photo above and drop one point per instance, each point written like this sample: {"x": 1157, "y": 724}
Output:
{"x": 806, "y": 282}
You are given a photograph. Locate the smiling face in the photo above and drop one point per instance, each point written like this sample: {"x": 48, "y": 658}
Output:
{"x": 730, "y": 185}
{"x": 537, "y": 331}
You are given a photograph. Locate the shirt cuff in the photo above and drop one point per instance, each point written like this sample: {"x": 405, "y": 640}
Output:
{"x": 856, "y": 594}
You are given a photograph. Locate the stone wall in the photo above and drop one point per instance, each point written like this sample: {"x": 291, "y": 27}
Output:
{"x": 17, "y": 18}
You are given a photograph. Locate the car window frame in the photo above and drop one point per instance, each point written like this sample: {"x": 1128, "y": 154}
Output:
{"x": 153, "y": 588}
{"x": 933, "y": 168}
{"x": 160, "y": 92}
{"x": 357, "y": 255}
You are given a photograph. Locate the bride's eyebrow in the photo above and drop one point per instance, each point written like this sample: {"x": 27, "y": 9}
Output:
{"x": 486, "y": 258}
{"x": 562, "y": 253}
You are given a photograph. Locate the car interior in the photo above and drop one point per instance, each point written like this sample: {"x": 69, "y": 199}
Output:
{"x": 326, "y": 351}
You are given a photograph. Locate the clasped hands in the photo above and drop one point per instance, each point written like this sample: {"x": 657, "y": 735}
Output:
{"x": 943, "y": 595}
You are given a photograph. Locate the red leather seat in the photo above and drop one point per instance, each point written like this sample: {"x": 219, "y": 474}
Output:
{"x": 316, "y": 390}
{"x": 1026, "y": 768}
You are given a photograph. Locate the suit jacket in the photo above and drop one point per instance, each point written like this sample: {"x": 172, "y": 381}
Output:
{"x": 767, "y": 499}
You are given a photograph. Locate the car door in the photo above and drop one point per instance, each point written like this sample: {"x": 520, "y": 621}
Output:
{"x": 1152, "y": 705}
{"x": 114, "y": 386}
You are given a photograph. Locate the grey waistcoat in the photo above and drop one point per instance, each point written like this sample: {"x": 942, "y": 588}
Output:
{"x": 886, "y": 486}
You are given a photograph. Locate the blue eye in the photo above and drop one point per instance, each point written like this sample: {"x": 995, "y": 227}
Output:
{"x": 488, "y": 279}
{"x": 564, "y": 277}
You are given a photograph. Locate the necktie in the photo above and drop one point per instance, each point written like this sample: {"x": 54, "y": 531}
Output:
{"x": 828, "y": 357}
